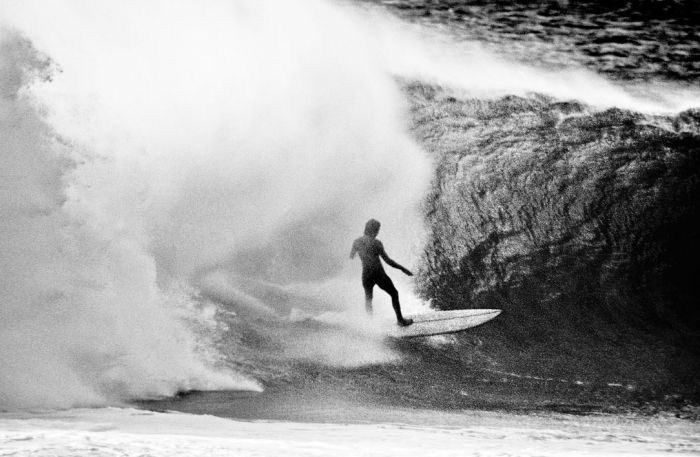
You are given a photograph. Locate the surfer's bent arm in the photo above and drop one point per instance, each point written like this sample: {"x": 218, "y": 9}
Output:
{"x": 353, "y": 251}
{"x": 389, "y": 261}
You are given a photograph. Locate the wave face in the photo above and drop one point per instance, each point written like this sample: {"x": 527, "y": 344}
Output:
{"x": 574, "y": 213}
{"x": 578, "y": 223}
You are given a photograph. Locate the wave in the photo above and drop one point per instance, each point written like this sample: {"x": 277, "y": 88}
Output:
{"x": 189, "y": 165}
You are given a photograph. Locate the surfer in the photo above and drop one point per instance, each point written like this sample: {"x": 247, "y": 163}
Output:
{"x": 370, "y": 250}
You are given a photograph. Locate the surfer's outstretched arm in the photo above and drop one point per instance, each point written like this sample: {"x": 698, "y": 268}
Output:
{"x": 389, "y": 261}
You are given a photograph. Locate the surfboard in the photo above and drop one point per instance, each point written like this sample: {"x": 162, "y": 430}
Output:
{"x": 440, "y": 322}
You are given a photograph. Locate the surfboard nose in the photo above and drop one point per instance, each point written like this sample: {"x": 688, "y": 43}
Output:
{"x": 440, "y": 322}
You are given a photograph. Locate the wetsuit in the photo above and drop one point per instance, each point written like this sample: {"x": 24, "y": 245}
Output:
{"x": 370, "y": 250}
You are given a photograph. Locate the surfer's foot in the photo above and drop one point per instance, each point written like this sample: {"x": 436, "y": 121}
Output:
{"x": 405, "y": 322}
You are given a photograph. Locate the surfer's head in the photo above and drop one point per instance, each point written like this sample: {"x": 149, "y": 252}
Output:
{"x": 372, "y": 227}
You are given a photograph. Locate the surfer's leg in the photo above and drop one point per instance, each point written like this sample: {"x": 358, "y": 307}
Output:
{"x": 368, "y": 301}
{"x": 387, "y": 285}
{"x": 368, "y": 285}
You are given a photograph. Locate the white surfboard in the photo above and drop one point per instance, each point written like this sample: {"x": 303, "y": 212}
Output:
{"x": 439, "y": 322}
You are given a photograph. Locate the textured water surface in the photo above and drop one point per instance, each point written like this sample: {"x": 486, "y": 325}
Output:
{"x": 625, "y": 40}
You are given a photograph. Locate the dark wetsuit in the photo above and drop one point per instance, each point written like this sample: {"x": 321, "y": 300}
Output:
{"x": 370, "y": 250}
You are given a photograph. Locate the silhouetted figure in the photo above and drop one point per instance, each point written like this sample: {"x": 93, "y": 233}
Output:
{"x": 370, "y": 250}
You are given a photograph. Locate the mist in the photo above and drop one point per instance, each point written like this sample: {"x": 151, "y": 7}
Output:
{"x": 153, "y": 144}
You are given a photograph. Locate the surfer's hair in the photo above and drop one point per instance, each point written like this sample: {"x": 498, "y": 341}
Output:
{"x": 372, "y": 227}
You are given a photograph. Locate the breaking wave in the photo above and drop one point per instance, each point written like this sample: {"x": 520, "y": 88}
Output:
{"x": 183, "y": 184}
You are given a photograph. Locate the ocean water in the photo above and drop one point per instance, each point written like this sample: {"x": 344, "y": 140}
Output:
{"x": 645, "y": 40}
{"x": 182, "y": 183}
